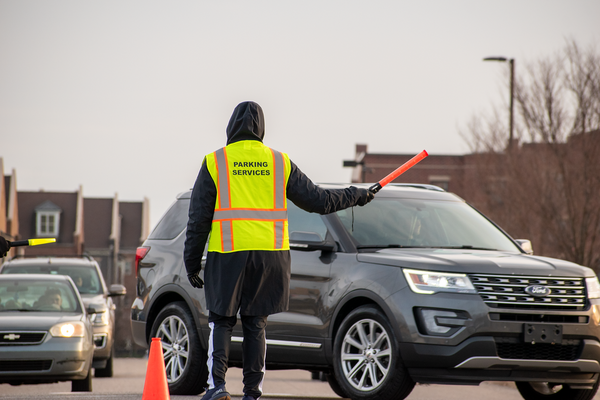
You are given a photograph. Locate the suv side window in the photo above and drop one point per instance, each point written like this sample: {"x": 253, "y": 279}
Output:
{"x": 302, "y": 221}
{"x": 173, "y": 222}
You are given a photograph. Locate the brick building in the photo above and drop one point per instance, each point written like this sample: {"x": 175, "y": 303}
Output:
{"x": 52, "y": 214}
{"x": 9, "y": 207}
{"x": 449, "y": 172}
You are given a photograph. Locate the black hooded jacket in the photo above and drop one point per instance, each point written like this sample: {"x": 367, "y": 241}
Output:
{"x": 225, "y": 271}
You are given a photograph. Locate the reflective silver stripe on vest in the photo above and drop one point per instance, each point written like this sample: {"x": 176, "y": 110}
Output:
{"x": 226, "y": 236}
{"x": 267, "y": 215}
{"x": 279, "y": 179}
{"x": 278, "y": 234}
{"x": 223, "y": 171}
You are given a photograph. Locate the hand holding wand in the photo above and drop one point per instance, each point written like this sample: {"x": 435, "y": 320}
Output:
{"x": 398, "y": 171}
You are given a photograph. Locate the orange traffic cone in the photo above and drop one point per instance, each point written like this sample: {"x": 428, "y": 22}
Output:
{"x": 155, "y": 385}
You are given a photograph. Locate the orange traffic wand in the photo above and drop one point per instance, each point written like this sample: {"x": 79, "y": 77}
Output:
{"x": 155, "y": 385}
{"x": 398, "y": 171}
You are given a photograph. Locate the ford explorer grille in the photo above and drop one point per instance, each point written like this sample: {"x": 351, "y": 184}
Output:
{"x": 544, "y": 293}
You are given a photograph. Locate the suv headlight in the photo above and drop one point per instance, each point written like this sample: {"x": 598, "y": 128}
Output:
{"x": 68, "y": 329}
{"x": 429, "y": 282}
{"x": 99, "y": 319}
{"x": 593, "y": 287}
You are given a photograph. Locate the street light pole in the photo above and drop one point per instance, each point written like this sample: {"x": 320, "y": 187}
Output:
{"x": 511, "y": 62}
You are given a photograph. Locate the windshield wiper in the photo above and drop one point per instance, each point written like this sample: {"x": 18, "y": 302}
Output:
{"x": 387, "y": 246}
{"x": 466, "y": 246}
{"x": 17, "y": 309}
{"x": 400, "y": 246}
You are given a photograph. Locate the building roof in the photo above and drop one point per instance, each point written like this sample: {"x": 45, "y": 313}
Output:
{"x": 48, "y": 206}
{"x": 30, "y": 201}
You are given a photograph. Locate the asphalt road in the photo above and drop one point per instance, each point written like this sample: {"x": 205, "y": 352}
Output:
{"x": 128, "y": 384}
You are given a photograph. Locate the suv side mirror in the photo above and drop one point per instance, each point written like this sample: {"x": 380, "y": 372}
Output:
{"x": 309, "y": 241}
{"x": 117, "y": 290}
{"x": 96, "y": 308}
{"x": 525, "y": 244}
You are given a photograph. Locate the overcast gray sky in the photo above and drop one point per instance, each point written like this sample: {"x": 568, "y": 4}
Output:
{"x": 128, "y": 96}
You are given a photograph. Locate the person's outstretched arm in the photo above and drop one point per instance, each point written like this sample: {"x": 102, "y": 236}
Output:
{"x": 312, "y": 198}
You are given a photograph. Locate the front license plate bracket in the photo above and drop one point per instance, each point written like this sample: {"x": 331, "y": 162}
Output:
{"x": 542, "y": 333}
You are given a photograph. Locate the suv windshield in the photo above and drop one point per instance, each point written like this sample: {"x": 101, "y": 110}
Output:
{"x": 388, "y": 222}
{"x": 86, "y": 279}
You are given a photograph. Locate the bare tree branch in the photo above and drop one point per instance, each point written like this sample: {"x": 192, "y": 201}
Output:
{"x": 546, "y": 189}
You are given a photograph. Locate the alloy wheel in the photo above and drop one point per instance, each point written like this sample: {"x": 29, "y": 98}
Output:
{"x": 175, "y": 344}
{"x": 366, "y": 355}
{"x": 546, "y": 387}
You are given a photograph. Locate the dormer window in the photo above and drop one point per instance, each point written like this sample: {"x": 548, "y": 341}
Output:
{"x": 47, "y": 219}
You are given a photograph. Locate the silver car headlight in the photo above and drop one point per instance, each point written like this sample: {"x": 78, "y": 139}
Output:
{"x": 99, "y": 319}
{"x": 68, "y": 329}
{"x": 593, "y": 287}
{"x": 429, "y": 282}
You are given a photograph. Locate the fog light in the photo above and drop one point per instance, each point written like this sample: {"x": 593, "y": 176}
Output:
{"x": 434, "y": 322}
{"x": 100, "y": 340}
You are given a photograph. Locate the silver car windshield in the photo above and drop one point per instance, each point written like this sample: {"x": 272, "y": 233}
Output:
{"x": 410, "y": 223}
{"x": 32, "y": 296}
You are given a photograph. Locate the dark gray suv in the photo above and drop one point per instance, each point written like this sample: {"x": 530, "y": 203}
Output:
{"x": 415, "y": 287}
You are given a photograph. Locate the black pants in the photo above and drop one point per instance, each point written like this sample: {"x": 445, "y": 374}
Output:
{"x": 254, "y": 350}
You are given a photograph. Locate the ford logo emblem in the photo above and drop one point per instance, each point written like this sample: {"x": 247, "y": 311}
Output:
{"x": 538, "y": 290}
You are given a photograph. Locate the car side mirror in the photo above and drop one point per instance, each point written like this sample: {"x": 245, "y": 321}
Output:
{"x": 117, "y": 290}
{"x": 310, "y": 241}
{"x": 96, "y": 308}
{"x": 525, "y": 245}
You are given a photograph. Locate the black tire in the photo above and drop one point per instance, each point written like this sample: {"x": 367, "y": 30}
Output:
{"x": 550, "y": 391}
{"x": 371, "y": 367}
{"x": 83, "y": 385}
{"x": 335, "y": 386}
{"x": 107, "y": 371}
{"x": 185, "y": 359}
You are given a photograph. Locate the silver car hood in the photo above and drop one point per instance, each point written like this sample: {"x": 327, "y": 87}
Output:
{"x": 34, "y": 321}
{"x": 475, "y": 261}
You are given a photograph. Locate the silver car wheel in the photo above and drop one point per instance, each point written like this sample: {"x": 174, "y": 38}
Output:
{"x": 366, "y": 355}
{"x": 175, "y": 344}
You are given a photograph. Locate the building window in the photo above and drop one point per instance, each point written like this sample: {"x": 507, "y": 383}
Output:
{"x": 47, "y": 223}
{"x": 442, "y": 181}
{"x": 47, "y": 219}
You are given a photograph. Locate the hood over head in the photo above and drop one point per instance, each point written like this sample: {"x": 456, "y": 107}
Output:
{"x": 246, "y": 123}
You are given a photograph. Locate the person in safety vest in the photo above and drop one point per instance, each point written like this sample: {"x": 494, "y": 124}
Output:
{"x": 240, "y": 199}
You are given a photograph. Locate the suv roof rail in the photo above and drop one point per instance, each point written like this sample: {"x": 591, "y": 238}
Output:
{"x": 419, "y": 186}
{"x": 87, "y": 256}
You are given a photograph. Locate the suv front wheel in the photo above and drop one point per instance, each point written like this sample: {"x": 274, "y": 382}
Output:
{"x": 551, "y": 391}
{"x": 185, "y": 359}
{"x": 366, "y": 359}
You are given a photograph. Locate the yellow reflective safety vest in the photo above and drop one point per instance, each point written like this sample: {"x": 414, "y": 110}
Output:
{"x": 251, "y": 206}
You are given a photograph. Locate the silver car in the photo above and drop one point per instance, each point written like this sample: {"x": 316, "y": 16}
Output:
{"x": 87, "y": 276}
{"x": 45, "y": 333}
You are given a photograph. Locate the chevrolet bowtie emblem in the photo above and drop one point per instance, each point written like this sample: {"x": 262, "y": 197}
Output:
{"x": 12, "y": 336}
